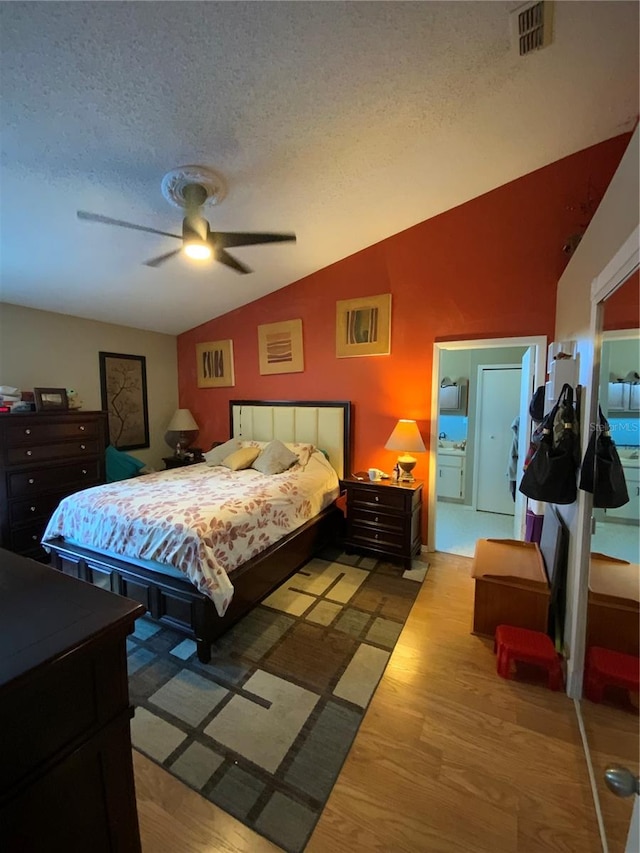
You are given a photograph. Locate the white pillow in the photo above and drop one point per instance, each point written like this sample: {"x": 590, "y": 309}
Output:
{"x": 302, "y": 450}
{"x": 275, "y": 458}
{"x": 215, "y": 456}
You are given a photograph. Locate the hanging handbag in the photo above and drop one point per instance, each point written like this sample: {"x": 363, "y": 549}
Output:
{"x": 550, "y": 476}
{"x": 602, "y": 472}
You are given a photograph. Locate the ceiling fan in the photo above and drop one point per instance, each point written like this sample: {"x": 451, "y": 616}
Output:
{"x": 191, "y": 187}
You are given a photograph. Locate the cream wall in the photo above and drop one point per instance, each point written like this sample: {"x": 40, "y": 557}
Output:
{"x": 43, "y": 349}
{"x": 613, "y": 223}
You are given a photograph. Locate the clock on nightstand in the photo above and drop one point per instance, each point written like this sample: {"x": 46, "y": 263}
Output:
{"x": 383, "y": 517}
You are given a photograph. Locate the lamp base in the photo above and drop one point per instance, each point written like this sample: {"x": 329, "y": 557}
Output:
{"x": 406, "y": 465}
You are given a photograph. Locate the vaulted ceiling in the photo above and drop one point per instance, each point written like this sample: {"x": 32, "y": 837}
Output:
{"x": 344, "y": 122}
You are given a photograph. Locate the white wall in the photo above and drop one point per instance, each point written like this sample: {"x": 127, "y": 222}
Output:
{"x": 613, "y": 223}
{"x": 43, "y": 349}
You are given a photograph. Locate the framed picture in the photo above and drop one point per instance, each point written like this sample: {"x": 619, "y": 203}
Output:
{"x": 363, "y": 326}
{"x": 50, "y": 399}
{"x": 280, "y": 347}
{"x": 123, "y": 383}
{"x": 215, "y": 364}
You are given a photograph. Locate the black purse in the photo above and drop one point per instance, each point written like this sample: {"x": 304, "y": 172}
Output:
{"x": 602, "y": 472}
{"x": 550, "y": 475}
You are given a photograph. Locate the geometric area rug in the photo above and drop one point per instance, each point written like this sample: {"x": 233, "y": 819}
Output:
{"x": 264, "y": 728}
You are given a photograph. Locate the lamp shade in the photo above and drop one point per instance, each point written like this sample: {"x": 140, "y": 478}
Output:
{"x": 406, "y": 437}
{"x": 182, "y": 421}
{"x": 182, "y": 431}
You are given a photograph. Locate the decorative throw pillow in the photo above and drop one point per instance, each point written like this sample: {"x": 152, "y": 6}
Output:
{"x": 217, "y": 454}
{"x": 275, "y": 458}
{"x": 302, "y": 450}
{"x": 241, "y": 459}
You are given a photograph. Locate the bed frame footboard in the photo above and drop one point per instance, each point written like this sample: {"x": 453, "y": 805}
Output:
{"x": 177, "y": 603}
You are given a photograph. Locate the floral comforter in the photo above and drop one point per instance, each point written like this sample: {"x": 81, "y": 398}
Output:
{"x": 203, "y": 521}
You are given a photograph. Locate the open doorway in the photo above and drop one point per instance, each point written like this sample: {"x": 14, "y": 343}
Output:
{"x": 471, "y": 493}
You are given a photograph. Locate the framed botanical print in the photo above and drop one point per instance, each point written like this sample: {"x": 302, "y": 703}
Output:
{"x": 363, "y": 326}
{"x": 215, "y": 364}
{"x": 280, "y": 347}
{"x": 123, "y": 383}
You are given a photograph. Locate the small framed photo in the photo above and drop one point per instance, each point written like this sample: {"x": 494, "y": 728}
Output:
{"x": 215, "y": 364}
{"x": 363, "y": 326}
{"x": 280, "y": 347}
{"x": 50, "y": 399}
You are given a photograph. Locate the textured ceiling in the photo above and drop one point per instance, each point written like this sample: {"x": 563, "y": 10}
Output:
{"x": 344, "y": 122}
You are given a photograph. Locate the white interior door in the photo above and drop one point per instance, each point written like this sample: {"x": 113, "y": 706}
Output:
{"x": 527, "y": 382}
{"x": 498, "y": 405}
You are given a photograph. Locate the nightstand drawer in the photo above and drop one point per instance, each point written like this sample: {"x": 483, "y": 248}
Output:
{"x": 377, "y": 537}
{"x": 370, "y": 519}
{"x": 388, "y": 498}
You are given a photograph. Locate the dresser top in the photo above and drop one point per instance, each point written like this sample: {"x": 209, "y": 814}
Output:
{"x": 44, "y": 614}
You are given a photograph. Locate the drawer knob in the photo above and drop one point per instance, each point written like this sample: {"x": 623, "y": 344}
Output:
{"x": 81, "y": 429}
{"x": 82, "y": 447}
{"x": 29, "y": 453}
{"x": 34, "y": 537}
{"x": 31, "y": 481}
{"x": 377, "y": 519}
{"x": 376, "y": 536}
{"x": 376, "y": 498}
{"x": 84, "y": 470}
{"x": 32, "y": 508}
{"x": 27, "y": 432}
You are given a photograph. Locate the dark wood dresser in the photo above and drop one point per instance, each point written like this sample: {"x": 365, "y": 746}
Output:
{"x": 66, "y": 771}
{"x": 43, "y": 458}
{"x": 383, "y": 517}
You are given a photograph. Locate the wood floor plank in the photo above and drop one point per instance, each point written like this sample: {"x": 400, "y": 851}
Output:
{"x": 450, "y": 758}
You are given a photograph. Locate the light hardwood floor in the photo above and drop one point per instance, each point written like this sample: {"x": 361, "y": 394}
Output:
{"x": 449, "y": 757}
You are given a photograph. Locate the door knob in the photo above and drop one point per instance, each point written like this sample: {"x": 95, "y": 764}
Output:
{"x": 621, "y": 781}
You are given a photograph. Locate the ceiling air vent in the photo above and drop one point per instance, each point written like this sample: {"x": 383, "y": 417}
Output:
{"x": 531, "y": 26}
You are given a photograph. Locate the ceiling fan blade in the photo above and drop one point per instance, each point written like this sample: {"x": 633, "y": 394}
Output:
{"x": 225, "y": 258}
{"x": 106, "y": 220}
{"x": 227, "y": 239}
{"x": 155, "y": 262}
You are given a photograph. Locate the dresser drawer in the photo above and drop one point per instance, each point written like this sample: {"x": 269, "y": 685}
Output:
{"x": 22, "y": 511}
{"x": 45, "y": 433}
{"x": 76, "y": 475}
{"x": 389, "y": 498}
{"x": 44, "y": 452}
{"x": 26, "y": 539}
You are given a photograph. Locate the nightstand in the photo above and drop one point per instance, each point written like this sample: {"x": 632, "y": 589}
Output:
{"x": 383, "y": 517}
{"x": 181, "y": 461}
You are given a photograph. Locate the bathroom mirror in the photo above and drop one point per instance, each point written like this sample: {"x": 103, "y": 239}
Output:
{"x": 611, "y": 721}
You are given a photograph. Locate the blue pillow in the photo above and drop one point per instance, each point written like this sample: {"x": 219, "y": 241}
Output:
{"x": 121, "y": 466}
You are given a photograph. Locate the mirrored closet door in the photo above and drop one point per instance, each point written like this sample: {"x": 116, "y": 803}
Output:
{"x": 611, "y": 719}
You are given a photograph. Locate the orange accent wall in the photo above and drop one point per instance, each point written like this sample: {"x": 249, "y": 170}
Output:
{"x": 623, "y": 307}
{"x": 488, "y": 268}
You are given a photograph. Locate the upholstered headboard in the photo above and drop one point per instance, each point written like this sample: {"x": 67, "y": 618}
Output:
{"x": 326, "y": 424}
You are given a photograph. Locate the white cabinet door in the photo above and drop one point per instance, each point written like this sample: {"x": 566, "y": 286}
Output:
{"x": 450, "y": 478}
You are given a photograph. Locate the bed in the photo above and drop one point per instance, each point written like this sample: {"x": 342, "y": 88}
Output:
{"x": 613, "y": 604}
{"x": 174, "y": 590}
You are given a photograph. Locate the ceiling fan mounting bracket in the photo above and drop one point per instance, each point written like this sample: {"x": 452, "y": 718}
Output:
{"x": 178, "y": 180}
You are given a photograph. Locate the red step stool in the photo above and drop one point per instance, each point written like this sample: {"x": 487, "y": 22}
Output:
{"x": 605, "y": 667}
{"x": 521, "y": 644}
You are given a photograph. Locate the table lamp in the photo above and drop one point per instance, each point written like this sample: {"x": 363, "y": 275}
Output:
{"x": 407, "y": 439}
{"x": 182, "y": 431}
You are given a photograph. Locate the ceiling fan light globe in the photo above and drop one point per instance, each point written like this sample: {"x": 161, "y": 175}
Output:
{"x": 198, "y": 251}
